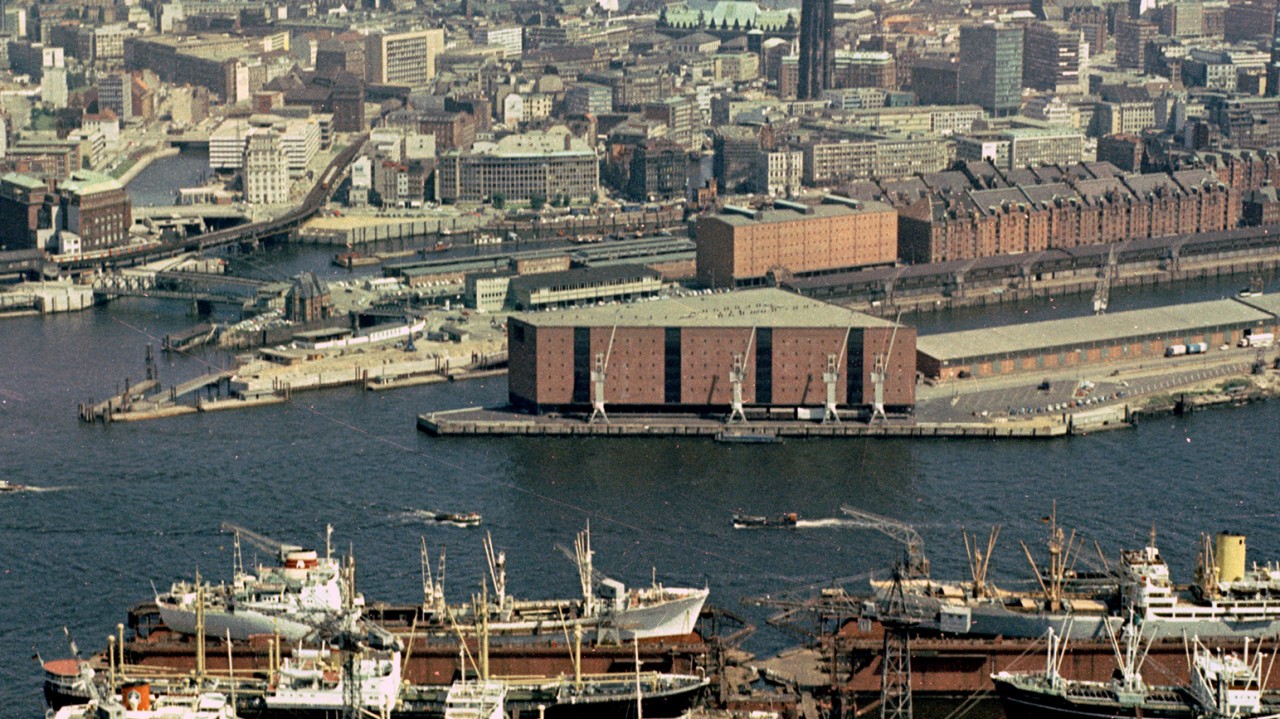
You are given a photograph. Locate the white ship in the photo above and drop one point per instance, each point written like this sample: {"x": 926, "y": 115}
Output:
{"x": 320, "y": 683}
{"x": 1227, "y": 599}
{"x": 607, "y": 610}
{"x": 292, "y": 599}
{"x": 138, "y": 705}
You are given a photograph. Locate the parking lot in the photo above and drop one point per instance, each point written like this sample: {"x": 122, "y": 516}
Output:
{"x": 1031, "y": 395}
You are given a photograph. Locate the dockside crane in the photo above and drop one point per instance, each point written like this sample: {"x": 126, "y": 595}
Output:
{"x": 830, "y": 378}
{"x": 598, "y": 376}
{"x": 880, "y": 371}
{"x": 915, "y": 565}
{"x": 736, "y": 377}
{"x": 271, "y": 546}
{"x": 1102, "y": 294}
{"x": 895, "y": 617}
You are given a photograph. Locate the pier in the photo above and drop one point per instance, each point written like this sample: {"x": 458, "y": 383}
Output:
{"x": 477, "y": 421}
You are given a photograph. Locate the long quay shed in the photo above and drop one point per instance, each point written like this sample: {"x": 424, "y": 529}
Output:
{"x": 1080, "y": 341}
{"x": 679, "y": 354}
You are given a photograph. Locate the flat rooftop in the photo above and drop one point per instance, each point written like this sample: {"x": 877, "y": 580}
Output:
{"x": 744, "y": 308}
{"x": 782, "y": 214}
{"x": 1171, "y": 321}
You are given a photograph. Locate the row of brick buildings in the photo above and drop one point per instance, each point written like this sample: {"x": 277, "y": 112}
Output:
{"x": 1031, "y": 218}
{"x": 977, "y": 211}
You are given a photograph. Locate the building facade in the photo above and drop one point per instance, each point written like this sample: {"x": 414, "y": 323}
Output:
{"x": 403, "y": 58}
{"x": 990, "y": 72}
{"x": 817, "y": 51}
{"x": 520, "y": 168}
{"x": 743, "y": 247}
{"x": 680, "y": 355}
{"x": 266, "y": 170}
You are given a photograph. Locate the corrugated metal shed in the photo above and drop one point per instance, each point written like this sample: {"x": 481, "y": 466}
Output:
{"x": 1075, "y": 332}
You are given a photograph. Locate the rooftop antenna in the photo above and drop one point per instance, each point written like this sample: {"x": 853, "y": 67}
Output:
{"x": 598, "y": 376}
{"x": 736, "y": 376}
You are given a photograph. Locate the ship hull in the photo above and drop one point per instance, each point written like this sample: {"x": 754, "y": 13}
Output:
{"x": 675, "y": 618}
{"x": 663, "y": 706}
{"x": 240, "y": 625}
{"x": 1022, "y": 703}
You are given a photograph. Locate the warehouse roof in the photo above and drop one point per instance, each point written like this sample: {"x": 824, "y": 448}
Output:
{"x": 1267, "y": 303}
{"x": 745, "y": 308}
{"x": 789, "y": 215}
{"x": 1172, "y": 322}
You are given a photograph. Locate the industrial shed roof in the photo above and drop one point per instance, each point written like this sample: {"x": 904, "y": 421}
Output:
{"x": 744, "y": 308}
{"x": 1171, "y": 321}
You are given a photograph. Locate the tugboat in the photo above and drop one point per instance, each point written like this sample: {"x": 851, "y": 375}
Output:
{"x": 753, "y": 521}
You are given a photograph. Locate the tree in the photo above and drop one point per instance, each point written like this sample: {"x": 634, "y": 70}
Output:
{"x": 499, "y": 200}
{"x": 537, "y": 202}
{"x": 736, "y": 25}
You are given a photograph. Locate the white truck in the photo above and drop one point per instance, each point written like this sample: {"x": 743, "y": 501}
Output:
{"x": 1257, "y": 339}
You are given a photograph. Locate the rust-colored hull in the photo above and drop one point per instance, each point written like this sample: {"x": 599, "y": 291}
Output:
{"x": 434, "y": 660}
{"x": 963, "y": 667}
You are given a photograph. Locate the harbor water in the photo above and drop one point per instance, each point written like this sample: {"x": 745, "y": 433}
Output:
{"x": 126, "y": 507}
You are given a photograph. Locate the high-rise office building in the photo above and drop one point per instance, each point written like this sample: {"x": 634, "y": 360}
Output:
{"x": 406, "y": 58}
{"x": 817, "y": 56}
{"x": 991, "y": 67}
{"x": 1132, "y": 37}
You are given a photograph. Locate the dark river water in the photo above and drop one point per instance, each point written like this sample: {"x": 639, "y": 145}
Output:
{"x": 136, "y": 504}
{"x": 132, "y": 505}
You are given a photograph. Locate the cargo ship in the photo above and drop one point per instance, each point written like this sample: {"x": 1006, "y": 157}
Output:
{"x": 293, "y": 598}
{"x": 1222, "y": 686}
{"x": 1226, "y": 601}
{"x": 306, "y": 593}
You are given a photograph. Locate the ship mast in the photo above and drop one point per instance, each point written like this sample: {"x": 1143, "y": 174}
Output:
{"x": 497, "y": 571}
{"x": 980, "y": 562}
{"x": 432, "y": 589}
{"x": 1207, "y": 572}
{"x": 582, "y": 553}
{"x": 1062, "y": 558}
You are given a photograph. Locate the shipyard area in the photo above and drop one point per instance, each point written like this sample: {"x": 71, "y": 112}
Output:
{"x": 294, "y": 637}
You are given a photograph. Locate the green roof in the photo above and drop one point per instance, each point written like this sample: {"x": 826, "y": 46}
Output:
{"x": 27, "y": 181}
{"x": 87, "y": 181}
{"x": 744, "y": 308}
{"x": 727, "y": 11}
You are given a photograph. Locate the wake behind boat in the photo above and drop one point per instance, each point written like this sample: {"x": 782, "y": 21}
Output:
{"x": 752, "y": 521}
{"x": 457, "y": 519}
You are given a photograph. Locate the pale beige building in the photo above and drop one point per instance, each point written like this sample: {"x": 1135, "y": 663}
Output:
{"x": 404, "y": 58}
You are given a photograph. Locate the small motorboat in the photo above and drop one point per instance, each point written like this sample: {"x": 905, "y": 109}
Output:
{"x": 460, "y": 519}
{"x": 751, "y": 521}
{"x": 7, "y": 486}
